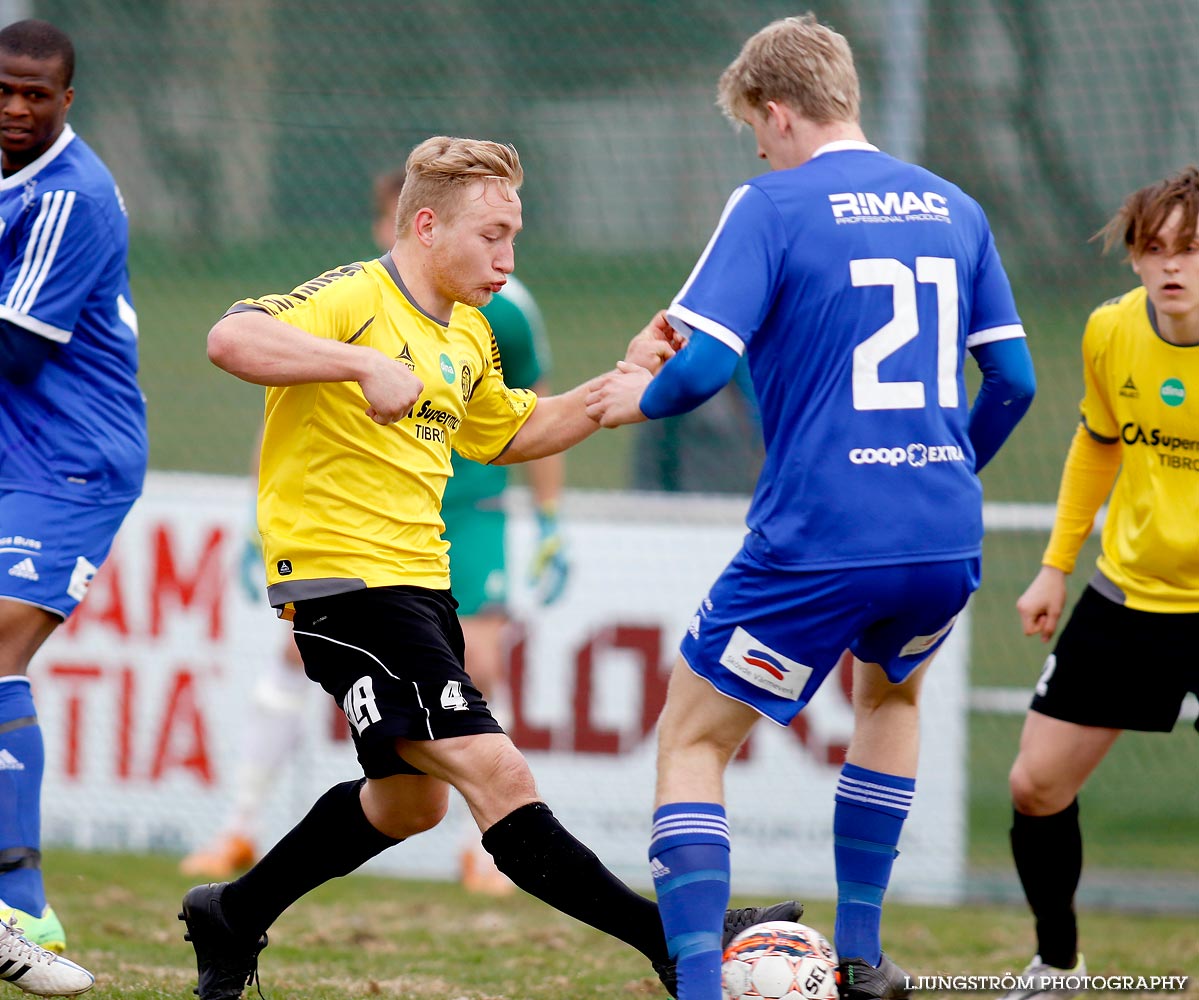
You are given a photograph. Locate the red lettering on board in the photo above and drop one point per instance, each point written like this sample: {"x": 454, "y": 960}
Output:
{"x": 182, "y": 738}
{"x": 204, "y": 586}
{"x": 76, "y": 675}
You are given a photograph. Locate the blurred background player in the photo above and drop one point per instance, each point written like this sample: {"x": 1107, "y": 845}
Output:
{"x": 72, "y": 426}
{"x": 716, "y": 448}
{"x": 475, "y": 521}
{"x": 865, "y": 530}
{"x": 1126, "y": 657}
{"x": 473, "y": 510}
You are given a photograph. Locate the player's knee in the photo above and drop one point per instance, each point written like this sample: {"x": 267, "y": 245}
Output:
{"x": 1036, "y": 794}
{"x": 428, "y": 817}
{"x": 893, "y": 701}
{"x": 404, "y": 809}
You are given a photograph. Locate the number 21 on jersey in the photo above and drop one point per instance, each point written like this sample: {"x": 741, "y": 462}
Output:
{"x": 869, "y": 391}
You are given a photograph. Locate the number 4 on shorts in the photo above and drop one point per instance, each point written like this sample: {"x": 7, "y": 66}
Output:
{"x": 451, "y": 697}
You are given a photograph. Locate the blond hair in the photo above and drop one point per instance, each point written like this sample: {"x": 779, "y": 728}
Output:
{"x": 1146, "y": 210}
{"x": 796, "y": 61}
{"x": 440, "y": 169}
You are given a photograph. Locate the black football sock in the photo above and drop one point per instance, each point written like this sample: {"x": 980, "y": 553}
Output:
{"x": 332, "y": 840}
{"x": 1048, "y": 855}
{"x": 533, "y": 849}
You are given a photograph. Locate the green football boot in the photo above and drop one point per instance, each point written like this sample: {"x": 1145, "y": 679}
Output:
{"x": 44, "y": 931}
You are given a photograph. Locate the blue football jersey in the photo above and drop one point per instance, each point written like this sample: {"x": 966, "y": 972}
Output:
{"x": 855, "y": 283}
{"x": 78, "y": 431}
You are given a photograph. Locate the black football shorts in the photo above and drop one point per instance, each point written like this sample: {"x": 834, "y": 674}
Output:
{"x": 1120, "y": 668}
{"x": 392, "y": 658}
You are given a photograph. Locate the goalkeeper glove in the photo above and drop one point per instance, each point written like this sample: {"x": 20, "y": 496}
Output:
{"x": 549, "y": 569}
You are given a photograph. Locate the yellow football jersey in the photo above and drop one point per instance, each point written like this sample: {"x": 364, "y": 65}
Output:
{"x": 346, "y": 503}
{"x": 1143, "y": 392}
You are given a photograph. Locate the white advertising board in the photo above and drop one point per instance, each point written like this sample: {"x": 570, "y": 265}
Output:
{"x": 144, "y": 696}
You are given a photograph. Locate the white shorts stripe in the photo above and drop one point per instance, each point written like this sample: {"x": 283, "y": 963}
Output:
{"x": 423, "y": 708}
{"x": 359, "y": 649}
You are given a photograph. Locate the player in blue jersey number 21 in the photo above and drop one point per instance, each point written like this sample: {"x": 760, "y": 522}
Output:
{"x": 855, "y": 283}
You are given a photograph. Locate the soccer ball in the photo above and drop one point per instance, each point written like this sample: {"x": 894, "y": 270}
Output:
{"x": 779, "y": 960}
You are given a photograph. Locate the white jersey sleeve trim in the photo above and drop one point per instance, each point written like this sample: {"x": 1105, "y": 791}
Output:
{"x": 27, "y": 322}
{"x": 709, "y": 326}
{"x": 980, "y": 337}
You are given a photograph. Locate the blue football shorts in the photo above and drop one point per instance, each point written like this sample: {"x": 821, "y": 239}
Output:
{"x": 768, "y": 638}
{"x": 51, "y": 548}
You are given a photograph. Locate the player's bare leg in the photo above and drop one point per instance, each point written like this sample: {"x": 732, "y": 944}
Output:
{"x": 23, "y": 629}
{"x": 1054, "y": 760}
{"x": 698, "y": 733}
{"x": 873, "y": 797}
{"x": 487, "y": 769}
{"x": 886, "y": 719}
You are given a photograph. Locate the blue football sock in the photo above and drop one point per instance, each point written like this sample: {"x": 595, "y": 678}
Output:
{"x": 689, "y": 861}
{"x": 869, "y": 814}
{"x": 22, "y": 760}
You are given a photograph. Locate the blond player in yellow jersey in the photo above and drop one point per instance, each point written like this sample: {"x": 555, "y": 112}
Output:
{"x": 1140, "y": 432}
{"x": 374, "y": 370}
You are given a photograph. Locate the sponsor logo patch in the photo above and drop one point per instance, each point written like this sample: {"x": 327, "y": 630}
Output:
{"x": 764, "y": 667}
{"x": 81, "y": 578}
{"x": 923, "y": 643}
{"x": 888, "y": 206}
{"x": 1173, "y": 392}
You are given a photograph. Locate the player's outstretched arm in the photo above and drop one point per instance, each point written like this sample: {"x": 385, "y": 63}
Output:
{"x": 615, "y": 399}
{"x": 700, "y": 369}
{"x": 556, "y": 423}
{"x": 261, "y": 349}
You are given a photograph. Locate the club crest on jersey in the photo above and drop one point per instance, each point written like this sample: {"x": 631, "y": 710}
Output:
{"x": 763, "y": 667}
{"x": 467, "y": 382}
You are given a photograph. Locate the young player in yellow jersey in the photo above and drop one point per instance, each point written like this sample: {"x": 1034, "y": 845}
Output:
{"x": 1139, "y": 431}
{"x": 473, "y": 510}
{"x": 373, "y": 372}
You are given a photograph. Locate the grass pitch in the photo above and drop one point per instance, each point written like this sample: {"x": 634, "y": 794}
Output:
{"x": 374, "y": 937}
